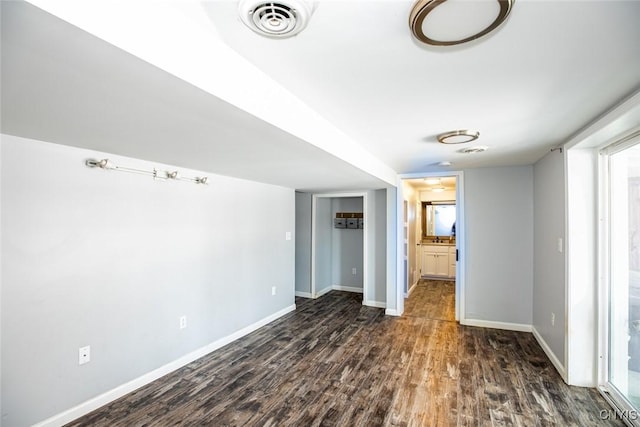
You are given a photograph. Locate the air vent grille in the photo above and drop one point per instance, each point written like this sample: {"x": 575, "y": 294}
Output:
{"x": 275, "y": 19}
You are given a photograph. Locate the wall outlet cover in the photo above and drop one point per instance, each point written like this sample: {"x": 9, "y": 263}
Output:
{"x": 84, "y": 355}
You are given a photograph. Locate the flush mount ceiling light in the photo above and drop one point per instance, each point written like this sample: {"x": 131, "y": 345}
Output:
{"x": 452, "y": 22}
{"x": 438, "y": 189}
{"x": 277, "y": 19}
{"x": 432, "y": 181}
{"x": 458, "y": 137}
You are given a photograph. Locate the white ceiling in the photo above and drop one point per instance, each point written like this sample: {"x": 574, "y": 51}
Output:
{"x": 552, "y": 68}
{"x": 62, "y": 85}
{"x": 361, "y": 82}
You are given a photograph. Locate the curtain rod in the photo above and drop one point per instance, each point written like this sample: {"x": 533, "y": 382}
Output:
{"x": 106, "y": 164}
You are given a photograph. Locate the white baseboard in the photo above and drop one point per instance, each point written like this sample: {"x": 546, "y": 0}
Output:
{"x": 303, "y": 294}
{"x": 411, "y": 289}
{"x": 347, "y": 288}
{"x": 550, "y": 354}
{"x": 323, "y": 291}
{"x": 111, "y": 395}
{"x": 336, "y": 288}
{"x": 443, "y": 278}
{"x": 520, "y": 327}
{"x": 377, "y": 304}
{"x": 392, "y": 312}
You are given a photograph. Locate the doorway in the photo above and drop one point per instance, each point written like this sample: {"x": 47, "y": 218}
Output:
{"x": 621, "y": 305}
{"x": 339, "y": 243}
{"x": 427, "y": 247}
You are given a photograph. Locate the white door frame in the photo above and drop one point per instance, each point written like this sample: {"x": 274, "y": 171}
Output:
{"x": 314, "y": 219}
{"x": 460, "y": 239}
{"x": 608, "y": 264}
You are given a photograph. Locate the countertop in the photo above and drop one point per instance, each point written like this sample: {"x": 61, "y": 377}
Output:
{"x": 442, "y": 243}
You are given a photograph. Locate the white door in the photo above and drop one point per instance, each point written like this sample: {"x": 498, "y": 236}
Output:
{"x": 418, "y": 231}
{"x": 622, "y": 164}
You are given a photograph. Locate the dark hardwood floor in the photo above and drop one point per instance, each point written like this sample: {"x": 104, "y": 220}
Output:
{"x": 334, "y": 362}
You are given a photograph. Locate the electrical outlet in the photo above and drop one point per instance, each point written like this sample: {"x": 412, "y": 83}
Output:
{"x": 354, "y": 271}
{"x": 287, "y": 235}
{"x": 553, "y": 319}
{"x": 84, "y": 355}
{"x": 273, "y": 290}
{"x": 559, "y": 244}
{"x": 183, "y": 322}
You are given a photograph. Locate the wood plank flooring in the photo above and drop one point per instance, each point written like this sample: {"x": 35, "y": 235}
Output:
{"x": 334, "y": 362}
{"x": 432, "y": 299}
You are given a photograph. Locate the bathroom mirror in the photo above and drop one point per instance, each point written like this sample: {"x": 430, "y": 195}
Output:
{"x": 438, "y": 219}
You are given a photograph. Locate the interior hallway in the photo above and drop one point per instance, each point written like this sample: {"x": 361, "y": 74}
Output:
{"x": 432, "y": 299}
{"x": 335, "y": 362}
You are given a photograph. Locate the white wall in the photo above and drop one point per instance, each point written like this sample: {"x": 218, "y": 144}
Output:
{"x": 346, "y": 246}
{"x": 395, "y": 302}
{"x": 581, "y": 169}
{"x": 549, "y": 261}
{"x": 1, "y": 286}
{"x": 112, "y": 260}
{"x": 499, "y": 246}
{"x": 303, "y": 244}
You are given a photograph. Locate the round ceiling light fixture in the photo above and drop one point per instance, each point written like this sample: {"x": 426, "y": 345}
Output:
{"x": 452, "y": 22}
{"x": 458, "y": 136}
{"x": 276, "y": 19}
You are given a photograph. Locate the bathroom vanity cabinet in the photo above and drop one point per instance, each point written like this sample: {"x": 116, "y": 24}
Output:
{"x": 439, "y": 260}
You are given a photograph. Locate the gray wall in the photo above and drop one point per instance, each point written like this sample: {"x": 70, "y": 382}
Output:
{"x": 112, "y": 260}
{"x": 549, "y": 263}
{"x": 346, "y": 246}
{"x": 499, "y": 244}
{"x": 303, "y": 242}
{"x": 323, "y": 245}
{"x": 379, "y": 255}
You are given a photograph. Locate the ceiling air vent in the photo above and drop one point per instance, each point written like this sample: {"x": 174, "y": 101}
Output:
{"x": 278, "y": 19}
